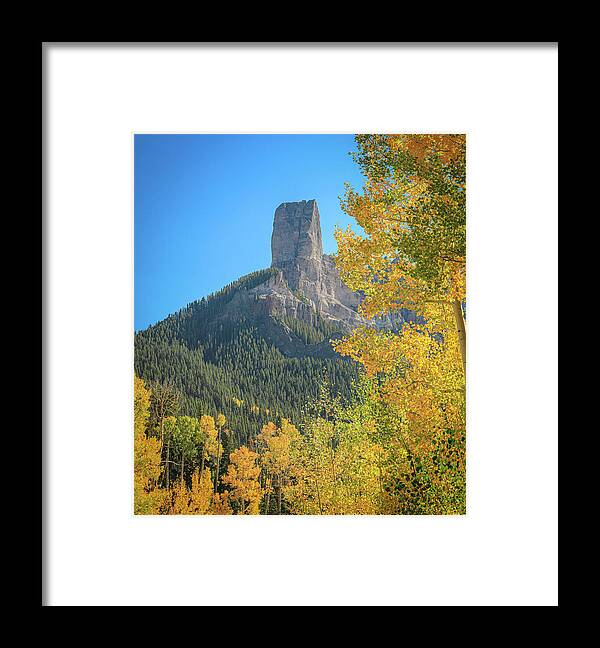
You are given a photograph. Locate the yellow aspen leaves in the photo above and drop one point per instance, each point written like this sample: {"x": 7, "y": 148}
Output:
{"x": 244, "y": 491}
{"x": 147, "y": 455}
{"x": 200, "y": 493}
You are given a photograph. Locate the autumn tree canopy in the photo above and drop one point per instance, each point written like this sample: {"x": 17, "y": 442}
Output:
{"x": 413, "y": 214}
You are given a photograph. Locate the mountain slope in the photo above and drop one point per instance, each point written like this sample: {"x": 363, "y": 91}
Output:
{"x": 253, "y": 368}
{"x": 259, "y": 348}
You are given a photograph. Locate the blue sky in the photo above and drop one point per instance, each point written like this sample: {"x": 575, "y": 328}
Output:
{"x": 204, "y": 207}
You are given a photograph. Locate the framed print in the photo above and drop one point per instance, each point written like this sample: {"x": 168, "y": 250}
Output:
{"x": 297, "y": 345}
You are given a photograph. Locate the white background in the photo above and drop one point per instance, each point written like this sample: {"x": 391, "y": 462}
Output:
{"x": 504, "y": 551}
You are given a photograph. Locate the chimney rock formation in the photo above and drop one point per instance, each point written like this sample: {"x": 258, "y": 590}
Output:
{"x": 296, "y": 244}
{"x": 311, "y": 276}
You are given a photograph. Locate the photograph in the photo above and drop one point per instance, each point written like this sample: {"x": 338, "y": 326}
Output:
{"x": 300, "y": 324}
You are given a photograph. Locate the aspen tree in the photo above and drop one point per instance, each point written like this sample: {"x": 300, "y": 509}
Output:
{"x": 242, "y": 479}
{"x": 413, "y": 214}
{"x": 147, "y": 453}
{"x": 220, "y": 423}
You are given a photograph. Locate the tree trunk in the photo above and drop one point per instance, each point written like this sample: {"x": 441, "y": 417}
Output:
{"x": 279, "y": 497}
{"x": 168, "y": 462}
{"x": 334, "y": 476}
{"x": 462, "y": 332}
{"x": 269, "y": 483}
{"x": 319, "y": 496}
{"x": 218, "y": 459}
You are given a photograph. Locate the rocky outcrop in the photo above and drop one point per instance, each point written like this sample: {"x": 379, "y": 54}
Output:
{"x": 309, "y": 275}
{"x": 296, "y": 244}
{"x": 302, "y": 284}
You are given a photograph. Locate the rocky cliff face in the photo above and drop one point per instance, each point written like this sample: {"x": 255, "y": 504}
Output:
{"x": 296, "y": 244}
{"x": 308, "y": 277}
{"x": 311, "y": 276}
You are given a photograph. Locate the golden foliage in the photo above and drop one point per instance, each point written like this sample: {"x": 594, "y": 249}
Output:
{"x": 196, "y": 500}
{"x": 209, "y": 436}
{"x": 201, "y": 493}
{"x": 220, "y": 504}
{"x": 242, "y": 478}
{"x": 181, "y": 499}
{"x": 147, "y": 453}
{"x": 412, "y": 212}
{"x": 412, "y": 255}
